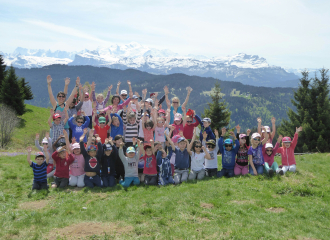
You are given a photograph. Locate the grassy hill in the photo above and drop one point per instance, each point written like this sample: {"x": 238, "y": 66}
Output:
{"x": 294, "y": 206}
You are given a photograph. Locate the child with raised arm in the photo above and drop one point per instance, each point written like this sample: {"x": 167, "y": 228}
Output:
{"x": 188, "y": 129}
{"x": 150, "y": 164}
{"x": 132, "y": 125}
{"x": 269, "y": 152}
{"x": 92, "y": 158}
{"x": 149, "y": 127}
{"x": 130, "y": 163}
{"x": 39, "y": 168}
{"x": 256, "y": 158}
{"x": 228, "y": 152}
{"x": 57, "y": 125}
{"x": 181, "y": 167}
{"x": 102, "y": 128}
{"x": 197, "y": 158}
{"x": 211, "y": 165}
{"x": 78, "y": 128}
{"x": 242, "y": 160}
{"x": 99, "y": 101}
{"x": 164, "y": 164}
{"x": 117, "y": 125}
{"x": 108, "y": 163}
{"x": 287, "y": 152}
{"x": 47, "y": 141}
{"x": 77, "y": 173}
{"x": 62, "y": 161}
{"x": 267, "y": 131}
{"x": 205, "y": 127}
{"x": 159, "y": 130}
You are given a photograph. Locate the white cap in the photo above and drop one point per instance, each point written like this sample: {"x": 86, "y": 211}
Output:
{"x": 267, "y": 129}
{"x": 44, "y": 140}
{"x": 123, "y": 92}
{"x": 269, "y": 145}
{"x": 206, "y": 120}
{"x": 255, "y": 135}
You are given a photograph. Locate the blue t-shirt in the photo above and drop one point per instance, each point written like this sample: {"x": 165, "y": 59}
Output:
{"x": 39, "y": 171}
{"x": 228, "y": 157}
{"x": 164, "y": 164}
{"x": 116, "y": 130}
{"x": 78, "y": 131}
{"x": 256, "y": 153}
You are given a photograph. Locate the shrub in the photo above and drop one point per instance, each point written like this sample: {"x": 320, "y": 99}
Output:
{"x": 8, "y": 122}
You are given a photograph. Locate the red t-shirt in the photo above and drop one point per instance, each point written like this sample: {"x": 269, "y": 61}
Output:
{"x": 102, "y": 132}
{"x": 62, "y": 165}
{"x": 188, "y": 130}
{"x": 150, "y": 165}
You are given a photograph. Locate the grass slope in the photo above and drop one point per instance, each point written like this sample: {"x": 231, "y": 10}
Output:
{"x": 294, "y": 206}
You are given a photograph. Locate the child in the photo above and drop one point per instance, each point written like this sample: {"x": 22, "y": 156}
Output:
{"x": 132, "y": 124}
{"x": 108, "y": 163}
{"x": 269, "y": 152}
{"x": 102, "y": 128}
{"x": 77, "y": 173}
{"x": 178, "y": 122}
{"x": 267, "y": 131}
{"x": 63, "y": 161}
{"x": 39, "y": 168}
{"x": 150, "y": 164}
{"x": 188, "y": 128}
{"x": 117, "y": 125}
{"x": 47, "y": 141}
{"x": 99, "y": 100}
{"x": 242, "y": 160}
{"x": 205, "y": 127}
{"x": 78, "y": 128}
{"x": 149, "y": 128}
{"x": 87, "y": 108}
{"x": 181, "y": 159}
{"x": 159, "y": 131}
{"x": 197, "y": 158}
{"x": 256, "y": 159}
{"x": 57, "y": 126}
{"x": 92, "y": 161}
{"x": 131, "y": 164}
{"x": 228, "y": 154}
{"x": 165, "y": 169}
{"x": 211, "y": 165}
{"x": 287, "y": 152}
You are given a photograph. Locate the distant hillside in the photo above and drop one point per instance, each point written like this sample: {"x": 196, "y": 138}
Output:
{"x": 245, "y": 102}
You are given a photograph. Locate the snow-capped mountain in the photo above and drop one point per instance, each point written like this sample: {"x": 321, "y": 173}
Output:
{"x": 248, "y": 69}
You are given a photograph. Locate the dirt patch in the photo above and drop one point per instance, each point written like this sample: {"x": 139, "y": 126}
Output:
{"x": 85, "y": 229}
{"x": 36, "y": 205}
{"x": 305, "y": 238}
{"x": 207, "y": 205}
{"x": 241, "y": 202}
{"x": 276, "y": 210}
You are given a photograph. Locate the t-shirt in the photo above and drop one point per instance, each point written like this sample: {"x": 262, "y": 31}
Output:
{"x": 197, "y": 161}
{"x": 62, "y": 165}
{"x": 213, "y": 162}
{"x": 60, "y": 110}
{"x": 57, "y": 131}
{"x": 87, "y": 107}
{"x": 102, "y": 132}
{"x": 188, "y": 129}
{"x": 39, "y": 171}
{"x": 164, "y": 164}
{"x": 77, "y": 131}
{"x": 256, "y": 153}
{"x": 130, "y": 164}
{"x": 159, "y": 134}
{"x": 150, "y": 165}
{"x": 181, "y": 158}
{"x": 148, "y": 134}
{"x": 92, "y": 164}
{"x": 178, "y": 129}
{"x": 77, "y": 166}
{"x": 242, "y": 156}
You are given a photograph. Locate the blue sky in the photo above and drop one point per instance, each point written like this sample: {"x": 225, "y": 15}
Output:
{"x": 291, "y": 33}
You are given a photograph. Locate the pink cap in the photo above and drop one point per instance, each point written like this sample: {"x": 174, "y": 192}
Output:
{"x": 242, "y": 135}
{"x": 286, "y": 139}
{"x": 177, "y": 117}
{"x": 86, "y": 93}
{"x": 267, "y": 129}
{"x": 175, "y": 138}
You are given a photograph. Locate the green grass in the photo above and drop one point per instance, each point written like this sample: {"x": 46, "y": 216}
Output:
{"x": 294, "y": 206}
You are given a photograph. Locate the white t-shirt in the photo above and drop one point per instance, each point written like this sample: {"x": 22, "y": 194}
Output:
{"x": 213, "y": 162}
{"x": 197, "y": 161}
{"x": 87, "y": 108}
{"x": 159, "y": 134}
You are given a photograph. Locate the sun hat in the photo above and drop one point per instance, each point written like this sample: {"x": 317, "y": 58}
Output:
{"x": 181, "y": 139}
{"x": 44, "y": 140}
{"x": 206, "y": 120}
{"x": 267, "y": 129}
{"x": 229, "y": 141}
{"x": 123, "y": 92}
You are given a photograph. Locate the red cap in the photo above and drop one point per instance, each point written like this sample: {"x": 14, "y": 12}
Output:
{"x": 190, "y": 112}
{"x": 56, "y": 115}
{"x": 145, "y": 147}
{"x": 152, "y": 94}
{"x": 161, "y": 111}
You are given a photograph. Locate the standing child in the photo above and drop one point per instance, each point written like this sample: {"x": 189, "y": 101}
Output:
{"x": 287, "y": 152}
{"x": 132, "y": 125}
{"x": 211, "y": 165}
{"x": 102, "y": 128}
{"x": 164, "y": 164}
{"x": 108, "y": 163}
{"x": 149, "y": 128}
{"x": 48, "y": 142}
{"x": 242, "y": 160}
{"x": 269, "y": 152}
{"x": 197, "y": 158}
{"x": 117, "y": 125}
{"x": 150, "y": 164}
{"x": 267, "y": 131}
{"x": 39, "y": 168}
{"x": 159, "y": 131}
{"x": 188, "y": 129}
{"x": 77, "y": 172}
{"x": 256, "y": 159}
{"x": 228, "y": 152}
{"x": 178, "y": 122}
{"x": 87, "y": 107}
{"x": 130, "y": 163}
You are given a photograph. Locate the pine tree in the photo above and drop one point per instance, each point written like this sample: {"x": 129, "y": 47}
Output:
{"x": 217, "y": 111}
{"x": 28, "y": 95}
{"x": 11, "y": 93}
{"x": 2, "y": 70}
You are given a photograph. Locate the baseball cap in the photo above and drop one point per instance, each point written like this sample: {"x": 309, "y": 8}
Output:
{"x": 108, "y": 147}
{"x": 267, "y": 129}
{"x": 269, "y": 145}
{"x": 286, "y": 139}
{"x": 161, "y": 111}
{"x": 91, "y": 148}
{"x": 102, "y": 120}
{"x": 228, "y": 141}
{"x": 56, "y": 115}
{"x": 40, "y": 154}
{"x": 175, "y": 138}
{"x": 123, "y": 92}
{"x": 206, "y": 120}
{"x": 177, "y": 117}
{"x": 211, "y": 141}
{"x": 75, "y": 146}
{"x": 181, "y": 139}
{"x": 242, "y": 135}
{"x": 130, "y": 150}
{"x": 146, "y": 146}
{"x": 135, "y": 97}
{"x": 60, "y": 149}
{"x": 86, "y": 93}
{"x": 255, "y": 135}
{"x": 44, "y": 140}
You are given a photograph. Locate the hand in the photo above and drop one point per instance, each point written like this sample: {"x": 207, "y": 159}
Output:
{"x": 118, "y": 84}
{"x": 80, "y": 88}
{"x": 298, "y": 129}
{"x": 93, "y": 86}
{"x": 216, "y": 133}
{"x": 166, "y": 90}
{"x": 110, "y": 139}
{"x": 66, "y": 108}
{"x": 78, "y": 81}
{"x": 91, "y": 132}
{"x": 248, "y": 132}
{"x": 189, "y": 89}
{"x": 223, "y": 131}
{"x": 259, "y": 120}
{"x": 172, "y": 127}
{"x": 108, "y": 112}
{"x": 238, "y": 128}
{"x": 47, "y": 135}
{"x": 231, "y": 133}
{"x": 204, "y": 135}
{"x": 61, "y": 136}
{"x": 49, "y": 79}
{"x": 37, "y": 136}
{"x": 151, "y": 141}
{"x": 65, "y": 133}
{"x": 279, "y": 138}
{"x": 156, "y": 94}
{"x": 73, "y": 140}
{"x": 52, "y": 111}
{"x": 273, "y": 120}
{"x": 203, "y": 148}
{"x": 134, "y": 141}
{"x": 255, "y": 172}
{"x": 168, "y": 111}
{"x": 137, "y": 94}
{"x": 129, "y": 82}
{"x": 85, "y": 131}
{"x": 144, "y": 91}
{"x": 181, "y": 133}
{"x": 98, "y": 139}
{"x": 29, "y": 149}
{"x": 85, "y": 89}
{"x": 82, "y": 113}
{"x": 109, "y": 88}
{"x": 183, "y": 109}
{"x": 263, "y": 128}
{"x": 94, "y": 111}
{"x": 67, "y": 81}
{"x": 121, "y": 144}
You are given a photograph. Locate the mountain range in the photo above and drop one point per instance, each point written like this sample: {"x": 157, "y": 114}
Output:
{"x": 244, "y": 68}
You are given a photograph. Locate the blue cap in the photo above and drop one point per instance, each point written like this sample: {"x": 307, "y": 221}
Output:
{"x": 181, "y": 139}
{"x": 135, "y": 97}
{"x": 108, "y": 147}
{"x": 229, "y": 141}
{"x": 130, "y": 149}
{"x": 91, "y": 148}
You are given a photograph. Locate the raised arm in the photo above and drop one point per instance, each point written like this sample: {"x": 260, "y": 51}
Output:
{"x": 169, "y": 140}
{"x": 93, "y": 91}
{"x": 264, "y": 141}
{"x": 50, "y": 92}
{"x": 67, "y": 142}
{"x": 184, "y": 116}
{"x": 74, "y": 91}
{"x": 50, "y": 119}
{"x": 37, "y": 142}
{"x": 259, "y": 125}
{"x": 192, "y": 141}
{"x": 66, "y": 85}
{"x": 66, "y": 108}
{"x": 93, "y": 117}
{"x": 28, "y": 159}
{"x": 189, "y": 89}
{"x": 273, "y": 127}
{"x": 46, "y": 154}
{"x": 108, "y": 95}
{"x": 118, "y": 85}
{"x": 168, "y": 103}
{"x": 109, "y": 117}
{"x": 207, "y": 154}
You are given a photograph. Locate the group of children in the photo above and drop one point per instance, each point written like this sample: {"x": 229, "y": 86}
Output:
{"x": 134, "y": 141}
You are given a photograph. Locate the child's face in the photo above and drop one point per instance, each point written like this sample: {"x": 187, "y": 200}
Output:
{"x": 135, "y": 101}
{"x": 108, "y": 152}
{"x": 39, "y": 160}
{"x": 198, "y": 148}
{"x": 80, "y": 122}
{"x": 118, "y": 142}
{"x": 92, "y": 153}
{"x": 182, "y": 145}
{"x": 132, "y": 120}
{"x": 147, "y": 104}
{"x": 206, "y": 124}
{"x": 242, "y": 141}
{"x": 102, "y": 125}
{"x": 160, "y": 123}
{"x": 86, "y": 98}
{"x": 164, "y": 154}
{"x": 228, "y": 147}
{"x": 99, "y": 99}
{"x": 189, "y": 120}
{"x": 116, "y": 123}
{"x": 210, "y": 146}
{"x": 61, "y": 154}
{"x": 76, "y": 151}
{"x": 177, "y": 122}
{"x": 148, "y": 152}
{"x": 131, "y": 154}
{"x": 287, "y": 144}
{"x": 116, "y": 100}
{"x": 57, "y": 121}
{"x": 269, "y": 151}
{"x": 256, "y": 141}
{"x": 148, "y": 128}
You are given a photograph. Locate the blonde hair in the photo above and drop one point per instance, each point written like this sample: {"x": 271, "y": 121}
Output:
{"x": 114, "y": 118}
{"x": 100, "y": 95}
{"x": 160, "y": 119}
{"x": 176, "y": 98}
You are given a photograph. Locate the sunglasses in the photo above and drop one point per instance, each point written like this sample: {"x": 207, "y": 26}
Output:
{"x": 160, "y": 122}
{"x": 228, "y": 145}
{"x": 61, "y": 96}
{"x": 210, "y": 146}
{"x": 198, "y": 146}
{"x": 86, "y": 97}
{"x": 269, "y": 150}
{"x": 102, "y": 122}
{"x": 189, "y": 121}
{"x": 45, "y": 144}
{"x": 256, "y": 139}
{"x": 80, "y": 122}
{"x": 124, "y": 95}
{"x": 176, "y": 102}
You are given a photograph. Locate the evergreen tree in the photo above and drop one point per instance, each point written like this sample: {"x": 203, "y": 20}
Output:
{"x": 217, "y": 111}
{"x": 2, "y": 70}
{"x": 313, "y": 114}
{"x": 28, "y": 95}
{"x": 11, "y": 93}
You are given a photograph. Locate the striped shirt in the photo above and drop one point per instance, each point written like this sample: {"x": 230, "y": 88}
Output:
{"x": 39, "y": 171}
{"x": 131, "y": 129}
{"x": 57, "y": 131}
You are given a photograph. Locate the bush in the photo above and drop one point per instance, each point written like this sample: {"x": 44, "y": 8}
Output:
{"x": 8, "y": 122}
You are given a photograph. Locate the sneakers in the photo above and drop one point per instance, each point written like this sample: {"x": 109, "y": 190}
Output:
{"x": 271, "y": 172}
{"x": 281, "y": 172}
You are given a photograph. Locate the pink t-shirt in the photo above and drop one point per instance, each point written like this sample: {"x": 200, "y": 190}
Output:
{"x": 150, "y": 165}
{"x": 77, "y": 167}
{"x": 148, "y": 134}
{"x": 177, "y": 129}
{"x": 159, "y": 134}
